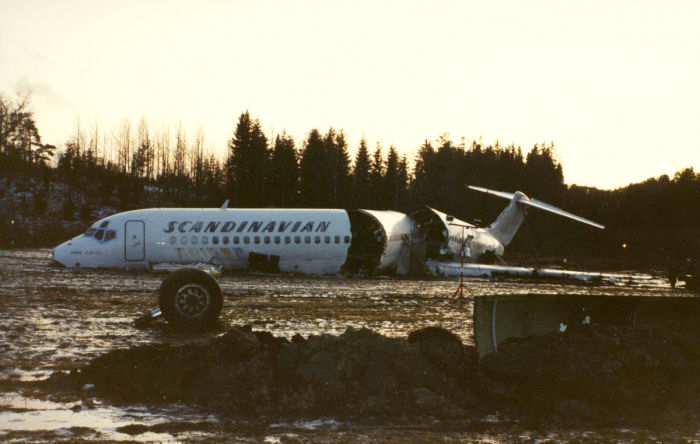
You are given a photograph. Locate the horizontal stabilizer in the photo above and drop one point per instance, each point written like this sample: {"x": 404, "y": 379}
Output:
{"x": 539, "y": 205}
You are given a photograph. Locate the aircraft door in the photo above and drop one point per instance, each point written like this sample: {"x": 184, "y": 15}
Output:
{"x": 134, "y": 240}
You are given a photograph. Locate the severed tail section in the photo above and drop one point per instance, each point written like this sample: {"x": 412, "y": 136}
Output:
{"x": 509, "y": 221}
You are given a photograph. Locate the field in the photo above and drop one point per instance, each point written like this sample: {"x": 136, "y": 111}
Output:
{"x": 56, "y": 320}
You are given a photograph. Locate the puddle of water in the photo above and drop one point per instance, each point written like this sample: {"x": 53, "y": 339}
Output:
{"x": 20, "y": 413}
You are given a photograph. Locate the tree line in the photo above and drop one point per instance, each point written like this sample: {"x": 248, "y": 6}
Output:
{"x": 135, "y": 167}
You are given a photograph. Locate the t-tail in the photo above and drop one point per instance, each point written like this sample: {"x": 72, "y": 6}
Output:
{"x": 512, "y": 217}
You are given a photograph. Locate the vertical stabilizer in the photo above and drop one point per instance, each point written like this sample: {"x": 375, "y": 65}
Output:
{"x": 510, "y": 220}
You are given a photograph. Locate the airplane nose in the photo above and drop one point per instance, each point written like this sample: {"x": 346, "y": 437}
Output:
{"x": 60, "y": 254}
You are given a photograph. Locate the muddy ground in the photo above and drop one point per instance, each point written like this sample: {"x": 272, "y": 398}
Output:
{"x": 63, "y": 376}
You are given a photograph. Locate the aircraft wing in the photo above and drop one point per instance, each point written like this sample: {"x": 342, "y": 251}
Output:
{"x": 539, "y": 205}
{"x": 484, "y": 270}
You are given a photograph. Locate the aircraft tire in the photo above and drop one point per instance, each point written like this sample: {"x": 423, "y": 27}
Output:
{"x": 190, "y": 299}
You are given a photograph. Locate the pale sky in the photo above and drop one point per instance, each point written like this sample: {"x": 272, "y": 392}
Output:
{"x": 614, "y": 84}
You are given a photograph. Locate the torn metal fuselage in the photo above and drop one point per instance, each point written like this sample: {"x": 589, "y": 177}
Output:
{"x": 447, "y": 238}
{"x": 381, "y": 242}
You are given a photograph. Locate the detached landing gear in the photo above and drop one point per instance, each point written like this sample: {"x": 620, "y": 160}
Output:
{"x": 190, "y": 299}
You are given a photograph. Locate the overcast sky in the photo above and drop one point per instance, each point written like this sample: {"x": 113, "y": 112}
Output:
{"x": 614, "y": 84}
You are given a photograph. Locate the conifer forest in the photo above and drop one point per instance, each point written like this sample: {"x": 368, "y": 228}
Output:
{"x": 48, "y": 195}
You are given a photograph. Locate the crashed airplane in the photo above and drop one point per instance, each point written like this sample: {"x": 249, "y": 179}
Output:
{"x": 307, "y": 241}
{"x": 355, "y": 241}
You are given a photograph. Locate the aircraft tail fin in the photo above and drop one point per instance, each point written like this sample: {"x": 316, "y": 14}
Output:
{"x": 509, "y": 221}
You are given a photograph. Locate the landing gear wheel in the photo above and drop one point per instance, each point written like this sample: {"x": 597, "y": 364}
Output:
{"x": 190, "y": 299}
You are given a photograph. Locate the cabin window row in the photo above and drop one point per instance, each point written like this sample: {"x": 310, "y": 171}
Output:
{"x": 246, "y": 240}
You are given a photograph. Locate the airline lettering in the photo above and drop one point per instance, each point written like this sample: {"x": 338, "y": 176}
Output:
{"x": 188, "y": 226}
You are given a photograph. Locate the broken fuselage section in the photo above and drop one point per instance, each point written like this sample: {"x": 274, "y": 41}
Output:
{"x": 446, "y": 238}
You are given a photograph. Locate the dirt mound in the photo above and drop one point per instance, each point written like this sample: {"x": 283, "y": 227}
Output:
{"x": 357, "y": 374}
{"x": 601, "y": 375}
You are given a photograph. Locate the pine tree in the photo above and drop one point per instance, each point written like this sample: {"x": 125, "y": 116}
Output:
{"x": 339, "y": 167}
{"x": 235, "y": 163}
{"x": 422, "y": 186}
{"x": 247, "y": 163}
{"x": 403, "y": 177}
{"x": 360, "y": 177}
{"x": 391, "y": 179}
{"x": 312, "y": 171}
{"x": 284, "y": 172}
{"x": 376, "y": 179}
{"x": 544, "y": 175}
{"x": 258, "y": 164}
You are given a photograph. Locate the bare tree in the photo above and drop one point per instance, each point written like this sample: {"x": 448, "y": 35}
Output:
{"x": 124, "y": 144}
{"x": 13, "y": 113}
{"x": 163, "y": 151}
{"x": 180, "y": 154}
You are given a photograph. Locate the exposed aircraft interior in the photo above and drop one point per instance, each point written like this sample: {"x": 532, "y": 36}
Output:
{"x": 368, "y": 243}
{"x": 432, "y": 230}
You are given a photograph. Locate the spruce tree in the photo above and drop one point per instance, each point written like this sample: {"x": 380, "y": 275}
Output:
{"x": 360, "y": 177}
{"x": 403, "y": 177}
{"x": 376, "y": 179}
{"x": 312, "y": 171}
{"x": 391, "y": 179}
{"x": 422, "y": 186}
{"x": 284, "y": 172}
{"x": 339, "y": 165}
{"x": 246, "y": 163}
{"x": 256, "y": 182}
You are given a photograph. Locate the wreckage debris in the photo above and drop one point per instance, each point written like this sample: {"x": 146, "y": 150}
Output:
{"x": 602, "y": 375}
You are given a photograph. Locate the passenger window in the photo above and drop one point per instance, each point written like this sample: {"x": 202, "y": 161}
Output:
{"x": 297, "y": 239}
{"x": 183, "y": 240}
{"x": 257, "y": 239}
{"x": 327, "y": 239}
{"x": 215, "y": 240}
{"x": 110, "y": 234}
{"x": 89, "y": 232}
{"x": 287, "y": 240}
{"x": 99, "y": 234}
{"x": 307, "y": 239}
{"x": 246, "y": 240}
{"x": 317, "y": 239}
{"x": 336, "y": 239}
{"x": 225, "y": 240}
{"x": 346, "y": 239}
{"x": 236, "y": 240}
{"x": 194, "y": 240}
{"x": 267, "y": 239}
{"x": 173, "y": 240}
{"x": 205, "y": 240}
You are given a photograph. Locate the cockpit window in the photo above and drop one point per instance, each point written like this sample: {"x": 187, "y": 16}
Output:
{"x": 110, "y": 234}
{"x": 99, "y": 234}
{"x": 89, "y": 232}
{"x": 104, "y": 224}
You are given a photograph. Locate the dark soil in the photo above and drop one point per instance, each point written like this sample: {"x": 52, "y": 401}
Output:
{"x": 603, "y": 375}
{"x": 599, "y": 376}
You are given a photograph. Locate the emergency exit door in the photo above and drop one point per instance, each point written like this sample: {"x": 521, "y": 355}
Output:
{"x": 135, "y": 240}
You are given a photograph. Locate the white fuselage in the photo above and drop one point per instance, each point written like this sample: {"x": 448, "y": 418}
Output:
{"x": 310, "y": 241}
{"x": 306, "y": 241}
